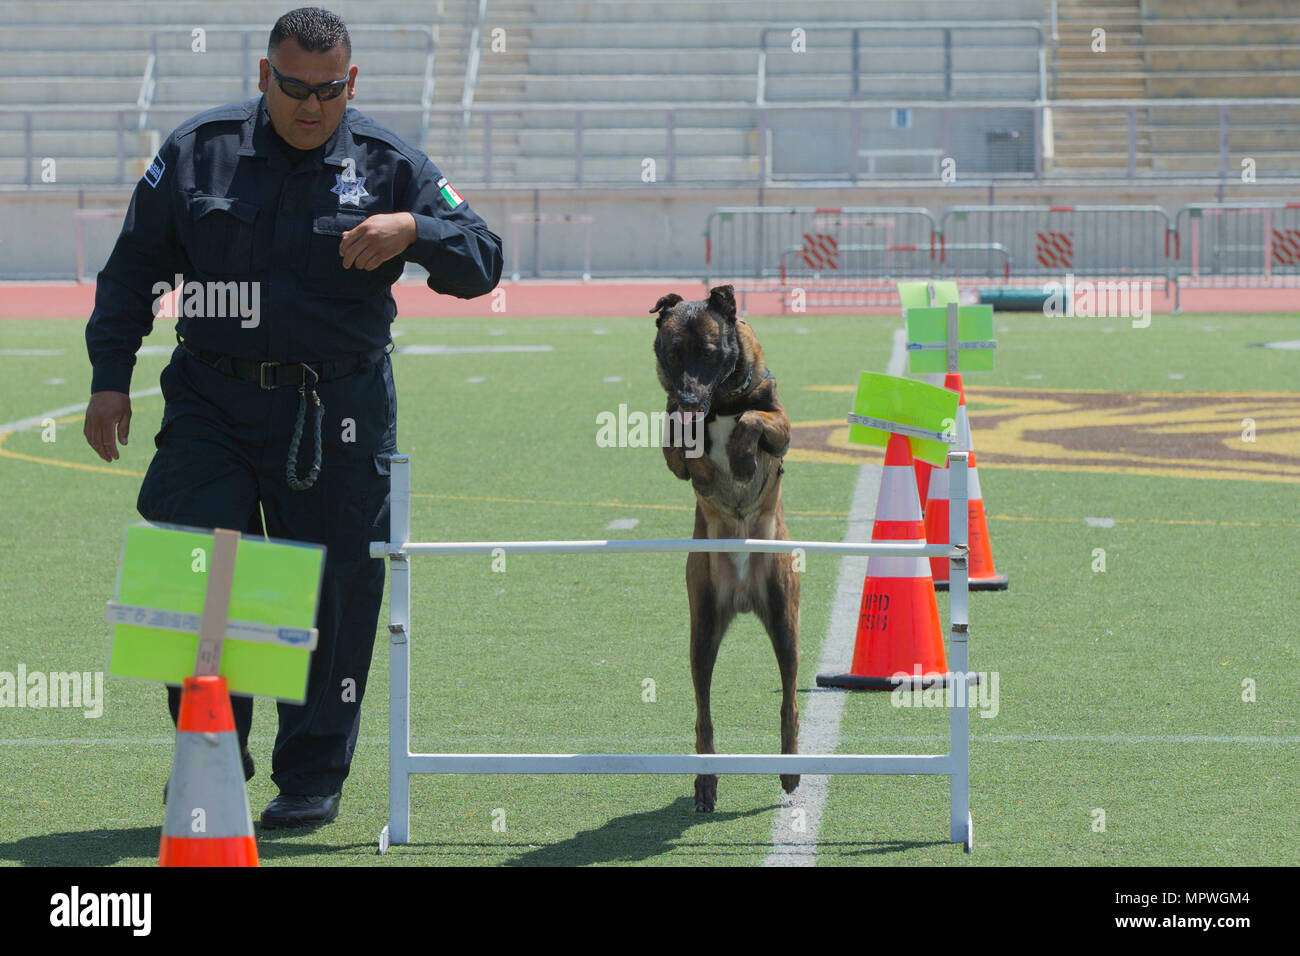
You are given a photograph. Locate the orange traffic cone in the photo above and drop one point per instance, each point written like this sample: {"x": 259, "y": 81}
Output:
{"x": 899, "y": 638}
{"x": 923, "y": 469}
{"x": 983, "y": 577}
{"x": 207, "y": 822}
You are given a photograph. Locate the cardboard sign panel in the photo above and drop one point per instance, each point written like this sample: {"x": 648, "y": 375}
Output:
{"x": 911, "y": 404}
{"x": 916, "y": 294}
{"x": 159, "y": 602}
{"x": 927, "y": 339}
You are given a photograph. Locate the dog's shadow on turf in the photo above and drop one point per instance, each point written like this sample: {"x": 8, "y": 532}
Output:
{"x": 631, "y": 838}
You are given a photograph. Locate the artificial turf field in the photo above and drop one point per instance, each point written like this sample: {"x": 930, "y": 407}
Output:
{"x": 1119, "y": 690}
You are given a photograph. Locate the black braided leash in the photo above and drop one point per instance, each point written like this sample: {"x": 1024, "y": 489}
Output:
{"x": 291, "y": 466}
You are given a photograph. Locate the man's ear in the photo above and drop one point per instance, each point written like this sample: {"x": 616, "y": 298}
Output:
{"x": 263, "y": 74}
{"x": 722, "y": 299}
{"x": 664, "y": 304}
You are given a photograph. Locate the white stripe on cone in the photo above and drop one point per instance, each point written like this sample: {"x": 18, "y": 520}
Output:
{"x": 899, "y": 501}
{"x": 939, "y": 476}
{"x": 878, "y": 567}
{"x": 939, "y": 485}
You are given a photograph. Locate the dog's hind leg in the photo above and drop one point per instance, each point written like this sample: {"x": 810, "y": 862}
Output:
{"x": 708, "y": 623}
{"x": 779, "y": 612}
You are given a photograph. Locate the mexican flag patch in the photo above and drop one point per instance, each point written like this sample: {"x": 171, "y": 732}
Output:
{"x": 453, "y": 198}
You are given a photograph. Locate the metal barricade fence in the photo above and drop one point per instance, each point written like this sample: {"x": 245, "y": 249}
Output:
{"x": 850, "y": 284}
{"x": 1230, "y": 245}
{"x": 772, "y": 248}
{"x": 851, "y": 256}
{"x": 1046, "y": 243}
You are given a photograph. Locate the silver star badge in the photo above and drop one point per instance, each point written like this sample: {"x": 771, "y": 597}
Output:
{"x": 350, "y": 190}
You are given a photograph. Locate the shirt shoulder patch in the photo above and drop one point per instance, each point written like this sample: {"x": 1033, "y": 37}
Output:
{"x": 154, "y": 173}
{"x": 449, "y": 194}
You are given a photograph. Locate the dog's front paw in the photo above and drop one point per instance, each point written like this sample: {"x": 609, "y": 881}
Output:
{"x": 706, "y": 792}
{"x": 676, "y": 459}
{"x": 703, "y": 473}
{"x": 742, "y": 450}
{"x": 742, "y": 465}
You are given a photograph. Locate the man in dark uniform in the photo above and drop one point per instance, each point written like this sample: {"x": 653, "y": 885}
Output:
{"x": 294, "y": 216}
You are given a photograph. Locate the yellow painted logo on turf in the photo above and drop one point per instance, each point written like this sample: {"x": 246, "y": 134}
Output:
{"x": 1252, "y": 437}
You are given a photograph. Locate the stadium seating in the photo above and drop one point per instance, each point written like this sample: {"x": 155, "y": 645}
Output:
{"x": 71, "y": 60}
{"x": 78, "y": 66}
{"x": 642, "y": 53}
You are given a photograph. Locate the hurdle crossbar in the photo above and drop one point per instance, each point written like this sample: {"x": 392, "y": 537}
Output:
{"x": 402, "y": 763}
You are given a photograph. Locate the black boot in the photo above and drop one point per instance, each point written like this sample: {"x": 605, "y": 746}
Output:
{"x": 299, "y": 810}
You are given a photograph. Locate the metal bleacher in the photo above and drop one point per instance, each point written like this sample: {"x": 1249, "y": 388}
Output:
{"x": 624, "y": 62}
{"x": 536, "y": 93}
{"x": 73, "y": 65}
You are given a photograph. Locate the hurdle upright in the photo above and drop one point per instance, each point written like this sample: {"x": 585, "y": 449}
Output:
{"x": 955, "y": 764}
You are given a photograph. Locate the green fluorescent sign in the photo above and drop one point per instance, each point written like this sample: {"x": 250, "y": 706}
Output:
{"x": 911, "y": 404}
{"x": 927, "y": 339}
{"x": 270, "y": 633}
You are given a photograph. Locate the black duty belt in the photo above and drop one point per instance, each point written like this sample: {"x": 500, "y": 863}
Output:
{"x": 270, "y": 375}
{"x": 304, "y": 375}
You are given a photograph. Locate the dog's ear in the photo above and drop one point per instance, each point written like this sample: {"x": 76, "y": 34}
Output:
{"x": 664, "y": 304}
{"x": 722, "y": 299}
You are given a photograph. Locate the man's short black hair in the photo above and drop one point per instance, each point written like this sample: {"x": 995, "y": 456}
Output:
{"x": 313, "y": 29}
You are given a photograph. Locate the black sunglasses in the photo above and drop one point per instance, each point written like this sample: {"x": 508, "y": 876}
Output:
{"x": 298, "y": 90}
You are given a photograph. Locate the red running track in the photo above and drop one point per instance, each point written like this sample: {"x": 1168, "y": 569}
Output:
{"x": 600, "y": 298}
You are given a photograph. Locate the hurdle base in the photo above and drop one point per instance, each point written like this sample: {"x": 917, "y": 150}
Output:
{"x": 996, "y": 583}
{"x": 909, "y": 682}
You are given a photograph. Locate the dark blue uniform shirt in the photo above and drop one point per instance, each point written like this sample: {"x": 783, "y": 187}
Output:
{"x": 222, "y": 202}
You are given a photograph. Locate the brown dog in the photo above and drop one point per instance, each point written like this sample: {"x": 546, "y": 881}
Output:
{"x": 712, "y": 368}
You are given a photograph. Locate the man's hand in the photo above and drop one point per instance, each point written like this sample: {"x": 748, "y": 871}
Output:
{"x": 376, "y": 240}
{"x": 108, "y": 417}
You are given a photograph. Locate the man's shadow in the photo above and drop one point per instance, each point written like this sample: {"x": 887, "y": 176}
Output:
{"x": 103, "y": 847}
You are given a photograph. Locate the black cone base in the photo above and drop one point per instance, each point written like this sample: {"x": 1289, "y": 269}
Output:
{"x": 910, "y": 682}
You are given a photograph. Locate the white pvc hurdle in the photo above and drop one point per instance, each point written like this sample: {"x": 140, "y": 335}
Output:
{"x": 955, "y": 764}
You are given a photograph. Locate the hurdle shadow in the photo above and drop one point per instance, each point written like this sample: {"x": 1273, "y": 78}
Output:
{"x": 103, "y": 847}
{"x": 631, "y": 838}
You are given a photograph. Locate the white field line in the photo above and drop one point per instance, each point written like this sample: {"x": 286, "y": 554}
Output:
{"x": 25, "y": 423}
{"x": 794, "y": 835}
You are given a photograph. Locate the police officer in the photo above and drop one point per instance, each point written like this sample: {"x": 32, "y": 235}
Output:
{"x": 294, "y": 216}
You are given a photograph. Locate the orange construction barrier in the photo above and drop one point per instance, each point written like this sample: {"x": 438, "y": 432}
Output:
{"x": 899, "y": 635}
{"x": 983, "y": 576}
{"x": 207, "y": 822}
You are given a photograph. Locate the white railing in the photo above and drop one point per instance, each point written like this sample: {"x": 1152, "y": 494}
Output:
{"x": 402, "y": 763}
{"x": 851, "y": 33}
{"x": 846, "y": 120}
{"x": 248, "y": 62}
